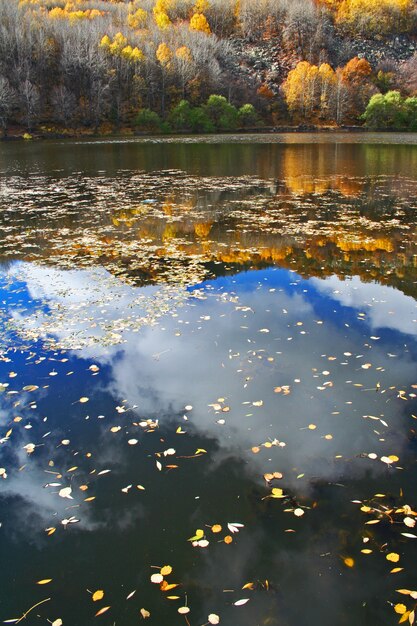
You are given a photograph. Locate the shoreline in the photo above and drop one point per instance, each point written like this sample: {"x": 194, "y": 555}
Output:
{"x": 21, "y": 134}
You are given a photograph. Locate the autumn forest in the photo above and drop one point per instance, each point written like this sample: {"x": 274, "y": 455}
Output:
{"x": 206, "y": 65}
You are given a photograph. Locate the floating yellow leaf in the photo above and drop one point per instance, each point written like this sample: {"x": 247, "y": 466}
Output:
{"x": 348, "y": 561}
{"x": 312, "y": 427}
{"x": 216, "y": 528}
{"x": 396, "y": 570}
{"x": 44, "y": 581}
{"x": 393, "y": 556}
{"x": 166, "y": 570}
{"x": 277, "y": 493}
{"x": 167, "y": 587}
{"x": 228, "y": 539}
{"x": 400, "y": 609}
{"x": 83, "y": 400}
{"x": 145, "y": 614}
{"x": 199, "y": 534}
{"x": 98, "y": 595}
{"x": 256, "y": 449}
{"x": 183, "y": 610}
{"x": 248, "y": 586}
{"x": 50, "y": 530}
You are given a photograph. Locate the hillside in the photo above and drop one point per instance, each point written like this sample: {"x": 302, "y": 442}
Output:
{"x": 206, "y": 65}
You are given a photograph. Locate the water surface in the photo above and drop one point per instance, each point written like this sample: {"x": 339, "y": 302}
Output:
{"x": 213, "y": 340}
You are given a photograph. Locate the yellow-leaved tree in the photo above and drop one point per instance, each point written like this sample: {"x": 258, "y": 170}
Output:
{"x": 164, "y": 56}
{"x": 199, "y": 22}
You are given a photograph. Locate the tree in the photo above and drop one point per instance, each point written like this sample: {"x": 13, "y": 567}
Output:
{"x": 223, "y": 115}
{"x": 356, "y": 76}
{"x": 391, "y": 111}
{"x": 186, "y": 118}
{"x": 30, "y": 101}
{"x": 301, "y": 89}
{"x": 164, "y": 56}
{"x": 184, "y": 66}
{"x": 7, "y": 100}
{"x": 64, "y": 104}
{"x": 199, "y": 22}
{"x": 148, "y": 120}
{"x": 247, "y": 116}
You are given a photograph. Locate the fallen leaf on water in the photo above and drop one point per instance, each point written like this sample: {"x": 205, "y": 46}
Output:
{"x": 57, "y": 622}
{"x": 241, "y": 602}
{"x": 248, "y": 586}
{"x": 98, "y": 595}
{"x": 44, "y": 581}
{"x": 101, "y": 611}
{"x": 199, "y": 534}
{"x": 228, "y": 539}
{"x": 183, "y": 610}
{"x": 216, "y": 528}
{"x": 393, "y": 557}
{"x": 166, "y": 570}
{"x": 409, "y": 521}
{"x": 157, "y": 578}
{"x": 400, "y": 609}
{"x": 145, "y": 614}
{"x": 349, "y": 562}
{"x": 65, "y": 492}
{"x": 213, "y": 619}
{"x": 83, "y": 400}
{"x": 234, "y": 527}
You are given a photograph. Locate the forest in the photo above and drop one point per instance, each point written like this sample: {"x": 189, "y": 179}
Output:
{"x": 206, "y": 65}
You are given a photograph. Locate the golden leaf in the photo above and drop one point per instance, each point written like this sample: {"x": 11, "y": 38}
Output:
{"x": 98, "y": 595}
{"x": 393, "y": 556}
{"x": 248, "y": 586}
{"x": 404, "y": 618}
{"x": 44, "y": 581}
{"x": 166, "y": 570}
{"x": 199, "y": 534}
{"x": 228, "y": 539}
{"x": 216, "y": 528}
{"x": 167, "y": 587}
{"x": 348, "y": 561}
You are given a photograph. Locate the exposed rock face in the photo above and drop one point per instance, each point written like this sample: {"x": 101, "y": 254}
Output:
{"x": 268, "y": 61}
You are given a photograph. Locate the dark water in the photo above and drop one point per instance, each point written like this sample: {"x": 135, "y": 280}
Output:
{"x": 179, "y": 322}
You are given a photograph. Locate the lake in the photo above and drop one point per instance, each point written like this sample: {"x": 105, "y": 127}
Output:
{"x": 208, "y": 408}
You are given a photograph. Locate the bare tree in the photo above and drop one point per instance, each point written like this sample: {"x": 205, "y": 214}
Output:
{"x": 64, "y": 104}
{"x": 7, "y": 101}
{"x": 30, "y": 102}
